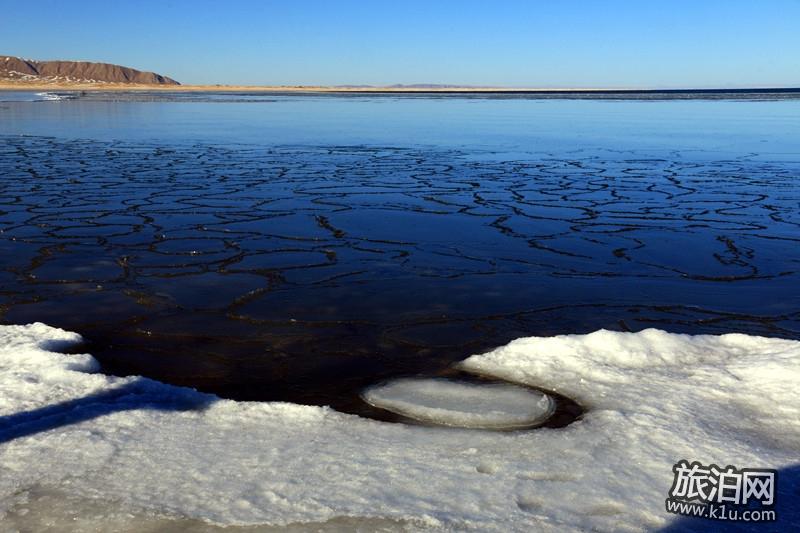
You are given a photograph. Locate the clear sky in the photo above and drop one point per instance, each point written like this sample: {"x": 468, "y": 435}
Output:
{"x": 553, "y": 43}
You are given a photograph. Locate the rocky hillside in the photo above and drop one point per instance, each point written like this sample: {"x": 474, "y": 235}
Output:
{"x": 27, "y": 70}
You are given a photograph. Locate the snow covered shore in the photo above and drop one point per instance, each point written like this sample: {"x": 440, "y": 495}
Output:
{"x": 131, "y": 450}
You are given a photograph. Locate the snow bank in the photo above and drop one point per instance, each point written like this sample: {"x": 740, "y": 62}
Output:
{"x": 153, "y": 450}
{"x": 471, "y": 405}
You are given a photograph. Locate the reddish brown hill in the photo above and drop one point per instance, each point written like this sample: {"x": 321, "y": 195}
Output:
{"x": 17, "y": 69}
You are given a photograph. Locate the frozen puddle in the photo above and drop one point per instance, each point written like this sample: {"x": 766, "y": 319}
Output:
{"x": 468, "y": 405}
{"x": 90, "y": 452}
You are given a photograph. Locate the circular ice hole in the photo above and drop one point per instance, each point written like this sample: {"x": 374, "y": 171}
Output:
{"x": 462, "y": 404}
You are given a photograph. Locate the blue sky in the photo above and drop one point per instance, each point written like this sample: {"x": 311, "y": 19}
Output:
{"x": 612, "y": 43}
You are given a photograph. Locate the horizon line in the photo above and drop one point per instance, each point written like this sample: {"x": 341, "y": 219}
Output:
{"x": 396, "y": 88}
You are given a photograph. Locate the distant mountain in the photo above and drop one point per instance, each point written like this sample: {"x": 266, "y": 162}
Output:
{"x": 408, "y": 86}
{"x": 429, "y": 86}
{"x": 17, "y": 69}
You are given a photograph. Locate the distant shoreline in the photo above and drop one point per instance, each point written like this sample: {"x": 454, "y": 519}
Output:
{"x": 107, "y": 87}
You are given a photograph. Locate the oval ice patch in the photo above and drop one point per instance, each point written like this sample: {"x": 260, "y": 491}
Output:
{"x": 462, "y": 404}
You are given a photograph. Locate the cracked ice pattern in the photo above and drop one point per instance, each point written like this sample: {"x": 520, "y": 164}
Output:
{"x": 304, "y": 273}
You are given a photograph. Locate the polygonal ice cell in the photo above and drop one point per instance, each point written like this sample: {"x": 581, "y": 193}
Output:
{"x": 462, "y": 404}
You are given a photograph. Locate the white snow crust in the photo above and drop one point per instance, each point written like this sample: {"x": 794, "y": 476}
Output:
{"x": 452, "y": 403}
{"x": 126, "y": 453}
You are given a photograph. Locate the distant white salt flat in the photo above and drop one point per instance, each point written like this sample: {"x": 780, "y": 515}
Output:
{"x": 127, "y": 453}
{"x": 28, "y": 96}
{"x": 470, "y": 405}
{"x": 51, "y": 97}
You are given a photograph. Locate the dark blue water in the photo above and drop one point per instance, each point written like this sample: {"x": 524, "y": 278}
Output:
{"x": 301, "y": 247}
